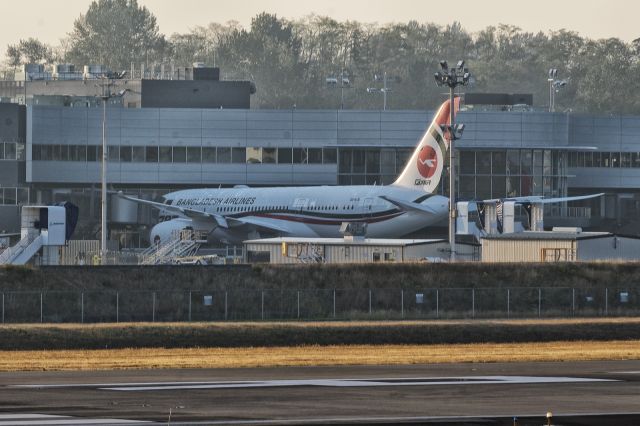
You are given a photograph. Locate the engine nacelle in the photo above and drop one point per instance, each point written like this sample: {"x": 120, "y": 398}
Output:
{"x": 165, "y": 231}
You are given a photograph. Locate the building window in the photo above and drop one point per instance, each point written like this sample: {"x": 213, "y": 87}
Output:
{"x": 299, "y": 155}
{"x": 179, "y": 154}
{"x": 345, "y": 161}
{"x": 254, "y": 155}
{"x": 402, "y": 158}
{"x": 359, "y": 160}
{"x": 9, "y": 151}
{"x": 126, "y": 154}
{"x": 372, "y": 161}
{"x": 137, "y": 154}
{"x": 165, "y": 154}
{"x": 467, "y": 162}
{"x": 113, "y": 153}
{"x": 82, "y": 152}
{"x": 208, "y": 154}
{"x": 36, "y": 152}
{"x": 238, "y": 155}
{"x": 314, "y": 155}
{"x": 615, "y": 159}
{"x": 224, "y": 155}
{"x": 92, "y": 153}
{"x": 151, "y": 154}
{"x": 483, "y": 162}
{"x": 513, "y": 162}
{"x": 285, "y": 156}
{"x": 329, "y": 155}
{"x": 193, "y": 154}
{"x": 270, "y": 155}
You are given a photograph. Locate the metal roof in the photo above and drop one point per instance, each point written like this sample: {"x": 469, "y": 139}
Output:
{"x": 342, "y": 241}
{"x": 548, "y": 235}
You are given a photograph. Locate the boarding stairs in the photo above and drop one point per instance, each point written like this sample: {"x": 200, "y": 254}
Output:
{"x": 23, "y": 251}
{"x": 183, "y": 243}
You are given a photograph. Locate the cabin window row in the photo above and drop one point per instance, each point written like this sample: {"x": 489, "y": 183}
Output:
{"x": 185, "y": 154}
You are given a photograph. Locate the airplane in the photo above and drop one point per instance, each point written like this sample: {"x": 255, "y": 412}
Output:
{"x": 233, "y": 215}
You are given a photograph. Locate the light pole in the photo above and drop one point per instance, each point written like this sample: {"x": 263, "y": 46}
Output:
{"x": 554, "y": 86}
{"x": 344, "y": 83}
{"x": 452, "y": 77}
{"x": 105, "y": 96}
{"x": 384, "y": 89}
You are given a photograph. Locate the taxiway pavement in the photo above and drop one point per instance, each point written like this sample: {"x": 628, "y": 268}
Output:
{"x": 419, "y": 394}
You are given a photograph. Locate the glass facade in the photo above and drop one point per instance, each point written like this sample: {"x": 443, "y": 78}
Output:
{"x": 486, "y": 174}
{"x": 182, "y": 154}
{"x": 369, "y": 166}
{"x": 604, "y": 159}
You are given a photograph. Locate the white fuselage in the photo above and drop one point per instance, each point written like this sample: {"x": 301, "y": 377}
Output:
{"x": 309, "y": 211}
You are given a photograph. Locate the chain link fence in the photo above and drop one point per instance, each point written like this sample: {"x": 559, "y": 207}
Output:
{"x": 338, "y": 304}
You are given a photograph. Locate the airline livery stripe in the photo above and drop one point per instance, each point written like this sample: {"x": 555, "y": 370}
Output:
{"x": 441, "y": 143}
{"x": 333, "y": 221}
{"x": 16, "y": 419}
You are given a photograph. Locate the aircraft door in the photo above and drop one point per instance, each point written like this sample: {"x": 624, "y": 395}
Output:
{"x": 367, "y": 206}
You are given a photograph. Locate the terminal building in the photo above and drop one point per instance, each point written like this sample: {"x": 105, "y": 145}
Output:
{"x": 169, "y": 134}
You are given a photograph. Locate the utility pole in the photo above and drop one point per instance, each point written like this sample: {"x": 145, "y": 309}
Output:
{"x": 452, "y": 77}
{"x": 106, "y": 94}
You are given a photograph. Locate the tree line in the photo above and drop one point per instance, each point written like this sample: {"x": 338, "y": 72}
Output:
{"x": 290, "y": 61}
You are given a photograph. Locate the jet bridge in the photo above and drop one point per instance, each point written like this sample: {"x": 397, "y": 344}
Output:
{"x": 41, "y": 226}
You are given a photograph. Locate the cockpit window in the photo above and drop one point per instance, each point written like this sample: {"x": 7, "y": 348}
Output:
{"x": 168, "y": 202}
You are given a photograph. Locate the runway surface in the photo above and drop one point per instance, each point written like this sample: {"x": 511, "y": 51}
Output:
{"x": 454, "y": 394}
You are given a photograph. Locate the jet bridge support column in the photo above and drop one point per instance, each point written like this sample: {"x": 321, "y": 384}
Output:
{"x": 491, "y": 218}
{"x": 536, "y": 217}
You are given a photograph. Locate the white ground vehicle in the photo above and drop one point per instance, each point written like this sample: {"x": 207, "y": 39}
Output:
{"x": 200, "y": 260}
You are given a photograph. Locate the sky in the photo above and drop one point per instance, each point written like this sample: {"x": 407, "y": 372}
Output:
{"x": 49, "y": 21}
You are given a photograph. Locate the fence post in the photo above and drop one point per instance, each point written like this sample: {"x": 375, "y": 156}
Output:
{"x": 401, "y": 303}
{"x": 369, "y": 302}
{"x": 539, "y": 300}
{"x": 334, "y": 303}
{"x": 473, "y": 303}
{"x": 508, "y": 303}
{"x": 262, "y": 304}
{"x": 41, "y": 313}
{"x": 3, "y": 307}
{"x": 225, "y": 306}
{"x": 298, "y": 304}
{"x": 437, "y": 303}
{"x": 82, "y": 307}
{"x": 573, "y": 301}
{"x": 189, "y": 305}
{"x": 606, "y": 302}
{"x": 117, "y": 306}
{"x": 153, "y": 307}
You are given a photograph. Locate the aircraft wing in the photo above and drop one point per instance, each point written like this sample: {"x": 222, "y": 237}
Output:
{"x": 193, "y": 214}
{"x": 221, "y": 221}
{"x": 409, "y": 205}
{"x": 542, "y": 200}
{"x": 260, "y": 223}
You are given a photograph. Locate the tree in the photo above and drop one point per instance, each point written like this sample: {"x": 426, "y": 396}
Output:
{"x": 115, "y": 33}
{"x": 31, "y": 51}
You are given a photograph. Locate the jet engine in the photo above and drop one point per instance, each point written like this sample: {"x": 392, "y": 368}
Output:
{"x": 167, "y": 230}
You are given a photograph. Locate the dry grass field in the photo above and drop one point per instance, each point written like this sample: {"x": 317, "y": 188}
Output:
{"x": 316, "y": 355}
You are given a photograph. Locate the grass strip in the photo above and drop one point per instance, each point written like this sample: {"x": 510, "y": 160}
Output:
{"x": 283, "y": 334}
{"x": 156, "y": 358}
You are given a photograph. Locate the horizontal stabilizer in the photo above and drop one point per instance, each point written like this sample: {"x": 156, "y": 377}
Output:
{"x": 541, "y": 200}
{"x": 409, "y": 206}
